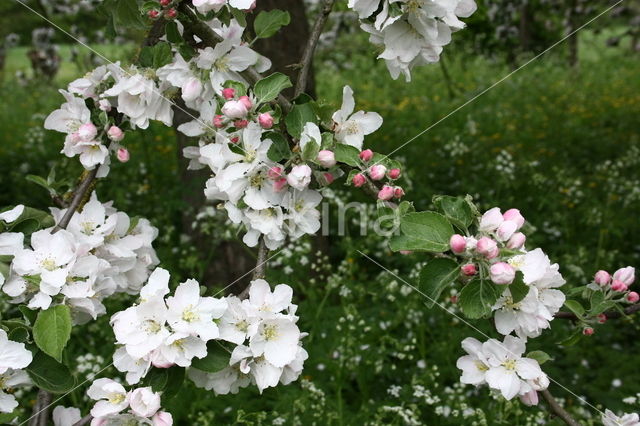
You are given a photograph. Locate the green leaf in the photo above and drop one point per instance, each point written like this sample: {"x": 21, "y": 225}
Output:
{"x": 310, "y": 151}
{"x": 125, "y": 14}
{"x": 477, "y": 298}
{"x": 165, "y": 380}
{"x": 298, "y": 117}
{"x": 157, "y": 378}
{"x": 38, "y": 180}
{"x": 217, "y": 358}
{"x": 539, "y": 356}
{"x": 28, "y": 314}
{"x": 268, "y": 23}
{"x": 31, "y": 220}
{"x": 518, "y": 288}
{"x": 19, "y": 334}
{"x": 597, "y": 297}
{"x": 436, "y": 276}
{"x": 7, "y": 418}
{"x": 347, "y": 154}
{"x": 575, "y": 307}
{"x": 279, "y": 148}
{"x": 50, "y": 375}
{"x": 270, "y": 87}
{"x": 171, "y": 30}
{"x": 427, "y": 231}
{"x": 238, "y": 86}
{"x": 456, "y": 209}
{"x": 52, "y": 330}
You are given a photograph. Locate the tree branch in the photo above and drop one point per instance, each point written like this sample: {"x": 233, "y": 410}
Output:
{"x": 83, "y": 421}
{"x": 557, "y": 409}
{"x": 259, "y": 272}
{"x": 629, "y": 310}
{"x": 307, "y": 55}
{"x": 79, "y": 194}
{"x": 41, "y": 409}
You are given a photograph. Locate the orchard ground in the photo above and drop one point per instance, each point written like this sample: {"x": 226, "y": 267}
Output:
{"x": 560, "y": 144}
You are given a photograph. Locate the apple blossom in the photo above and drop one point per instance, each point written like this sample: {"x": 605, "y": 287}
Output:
{"x": 9, "y": 381}
{"x": 13, "y": 214}
{"x": 469, "y": 269}
{"x": 299, "y": 177}
{"x": 516, "y": 241}
{"x": 358, "y": 180}
{"x": 328, "y": 178}
{"x": 610, "y": 419}
{"x": 246, "y": 101}
{"x": 123, "y": 155}
{"x": 487, "y": 247}
{"x": 588, "y": 331}
{"x": 625, "y": 275}
{"x": 162, "y": 418}
{"x": 63, "y": 416}
{"x": 115, "y": 133}
{"x": 491, "y": 220}
{"x": 240, "y": 124}
{"x": 618, "y": 286}
{"x": 144, "y": 402}
{"x": 87, "y": 132}
{"x": 351, "y": 128}
{"x": 265, "y": 120}
{"x": 602, "y": 278}
{"x": 111, "y": 396}
{"x": 506, "y": 230}
{"x": 602, "y": 318}
{"x": 633, "y": 297}
{"x": 235, "y": 109}
{"x": 386, "y": 193}
{"x": 394, "y": 174}
{"x": 514, "y": 216}
{"x": 218, "y": 121}
{"x": 13, "y": 355}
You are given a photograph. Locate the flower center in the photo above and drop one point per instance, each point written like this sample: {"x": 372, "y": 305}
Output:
{"x": 242, "y": 325}
{"x": 250, "y": 155}
{"x": 87, "y": 227}
{"x": 256, "y": 181}
{"x": 509, "y": 364}
{"x": 270, "y": 332}
{"x": 351, "y": 127}
{"x": 299, "y": 206}
{"x": 116, "y": 398}
{"x": 480, "y": 366}
{"x": 179, "y": 344}
{"x": 189, "y": 315}
{"x": 508, "y": 303}
{"x": 222, "y": 64}
{"x": 152, "y": 326}
{"x": 49, "y": 264}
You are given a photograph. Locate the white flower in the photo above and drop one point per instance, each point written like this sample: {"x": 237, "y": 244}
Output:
{"x": 141, "y": 328}
{"x": 537, "y": 269}
{"x": 9, "y": 380}
{"x": 265, "y": 302}
{"x": 474, "y": 366}
{"x": 303, "y": 216}
{"x": 111, "y": 396}
{"x": 299, "y": 177}
{"x": 136, "y": 368}
{"x": 610, "y": 419}
{"x": 92, "y": 224}
{"x": 193, "y": 315}
{"x": 527, "y": 317}
{"x": 13, "y": 355}
{"x": 13, "y": 214}
{"x": 508, "y": 370}
{"x": 11, "y": 243}
{"x": 276, "y": 339}
{"x": 71, "y": 115}
{"x": 144, "y": 402}
{"x": 226, "y": 60}
{"x": 310, "y": 134}
{"x": 63, "y": 416}
{"x": 292, "y": 370}
{"x": 235, "y": 322}
{"x": 352, "y": 128}
{"x": 181, "y": 348}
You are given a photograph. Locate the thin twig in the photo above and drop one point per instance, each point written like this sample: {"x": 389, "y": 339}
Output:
{"x": 78, "y": 196}
{"x": 83, "y": 421}
{"x": 41, "y": 409}
{"x": 307, "y": 54}
{"x": 259, "y": 272}
{"x": 629, "y": 310}
{"x": 557, "y": 409}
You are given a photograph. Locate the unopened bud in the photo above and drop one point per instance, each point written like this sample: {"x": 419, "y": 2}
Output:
{"x": 377, "y": 172}
{"x": 633, "y": 297}
{"x": 240, "y": 124}
{"x": 274, "y": 172}
{"x": 502, "y": 273}
{"x": 246, "y": 101}
{"x": 153, "y": 14}
{"x": 218, "y": 121}
{"x": 123, "y": 155}
{"x": 386, "y": 193}
{"x": 171, "y": 13}
{"x": 366, "y": 155}
{"x": 469, "y": 269}
{"x": 602, "y": 318}
{"x": 234, "y": 109}
{"x": 515, "y": 216}
{"x": 165, "y": 3}
{"x": 394, "y": 174}
{"x": 328, "y": 177}
{"x": 229, "y": 93}
{"x": 617, "y": 285}
{"x": 326, "y": 158}
{"x": 279, "y": 184}
{"x": 487, "y": 247}
{"x": 457, "y": 243}
{"x": 516, "y": 241}
{"x": 398, "y": 192}
{"x": 87, "y": 132}
{"x": 265, "y": 120}
{"x": 602, "y": 278}
{"x": 588, "y": 331}
{"x": 115, "y": 133}
{"x": 358, "y": 180}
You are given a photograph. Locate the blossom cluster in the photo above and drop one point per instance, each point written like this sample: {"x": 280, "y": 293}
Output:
{"x": 14, "y": 356}
{"x": 101, "y": 252}
{"x": 617, "y": 284}
{"x": 528, "y": 300}
{"x": 268, "y": 348}
{"x": 411, "y": 32}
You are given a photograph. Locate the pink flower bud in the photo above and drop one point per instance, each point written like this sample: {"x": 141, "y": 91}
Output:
{"x": 358, "y": 180}
{"x": 516, "y": 241}
{"x": 602, "y": 278}
{"x": 266, "y": 120}
{"x": 633, "y": 297}
{"x": 234, "y": 109}
{"x": 394, "y": 174}
{"x": 229, "y": 93}
{"x": 246, "y": 101}
{"x": 506, "y": 230}
{"x": 162, "y": 418}
{"x": 588, "y": 331}
{"x": 487, "y": 247}
{"x": 165, "y": 3}
{"x": 502, "y": 273}
{"x": 171, "y": 13}
{"x": 153, "y": 14}
{"x": 377, "y": 171}
{"x": 530, "y": 398}
{"x": 386, "y": 193}
{"x": 457, "y": 243}
{"x": 326, "y": 158}
{"x": 602, "y": 318}
{"x": 218, "y": 121}
{"x": 617, "y": 285}
{"x": 454, "y": 298}
{"x": 514, "y": 215}
{"x": 366, "y": 155}
{"x": 115, "y": 133}
{"x": 398, "y": 192}
{"x": 626, "y": 275}
{"x": 299, "y": 177}
{"x": 87, "y": 132}
{"x": 274, "y": 172}
{"x": 490, "y": 220}
{"x": 240, "y": 124}
{"x": 123, "y": 155}
{"x": 279, "y": 184}
{"x": 328, "y": 177}
{"x": 469, "y": 269}
{"x": 234, "y": 139}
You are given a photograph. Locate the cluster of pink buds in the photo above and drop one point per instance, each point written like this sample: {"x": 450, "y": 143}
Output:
{"x": 378, "y": 172}
{"x": 167, "y": 11}
{"x": 237, "y": 111}
{"x": 619, "y": 282}
{"x": 497, "y": 231}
